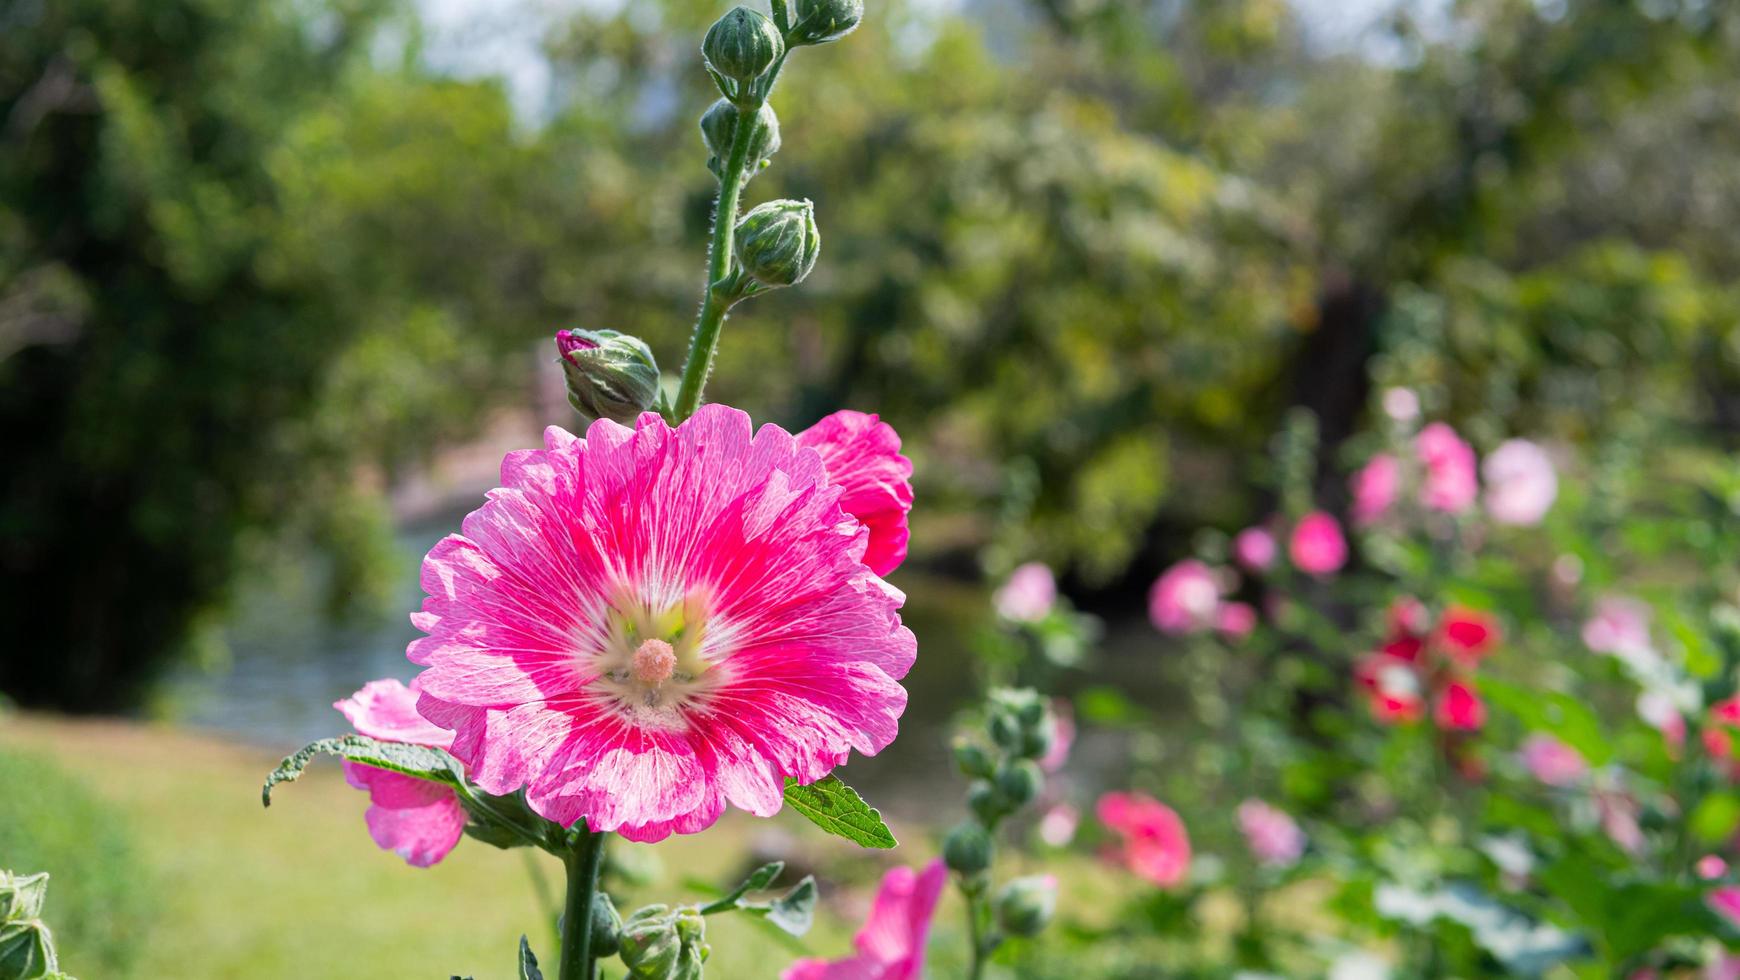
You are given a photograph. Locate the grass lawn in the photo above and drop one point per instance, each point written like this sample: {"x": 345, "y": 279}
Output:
{"x": 300, "y": 891}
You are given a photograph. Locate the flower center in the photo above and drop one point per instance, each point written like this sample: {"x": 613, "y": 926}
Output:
{"x": 651, "y": 655}
{"x": 654, "y": 662}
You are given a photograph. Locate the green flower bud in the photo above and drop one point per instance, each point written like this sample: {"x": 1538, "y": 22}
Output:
{"x": 1024, "y": 906}
{"x": 610, "y": 375}
{"x": 968, "y": 848}
{"x": 987, "y": 802}
{"x": 1005, "y": 730}
{"x": 719, "y": 125}
{"x": 818, "y": 21}
{"x": 606, "y": 926}
{"x": 1036, "y": 742}
{"x": 778, "y": 242}
{"x": 973, "y": 760}
{"x": 742, "y": 45}
{"x": 650, "y": 946}
{"x": 1019, "y": 781}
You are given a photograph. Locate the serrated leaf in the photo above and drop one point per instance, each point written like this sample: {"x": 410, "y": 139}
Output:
{"x": 758, "y": 879}
{"x": 836, "y": 808}
{"x": 528, "y": 963}
{"x": 416, "y": 761}
{"x": 795, "y": 911}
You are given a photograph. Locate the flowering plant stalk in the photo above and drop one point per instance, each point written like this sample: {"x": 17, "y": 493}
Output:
{"x": 666, "y": 615}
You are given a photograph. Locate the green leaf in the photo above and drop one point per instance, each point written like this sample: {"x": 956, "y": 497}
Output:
{"x": 528, "y": 963}
{"x": 836, "y": 808}
{"x": 416, "y": 761}
{"x": 758, "y": 879}
{"x": 1567, "y": 718}
{"x": 795, "y": 911}
{"x": 1716, "y": 817}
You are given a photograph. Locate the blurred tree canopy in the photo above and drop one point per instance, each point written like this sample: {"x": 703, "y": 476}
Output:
{"x": 1083, "y": 252}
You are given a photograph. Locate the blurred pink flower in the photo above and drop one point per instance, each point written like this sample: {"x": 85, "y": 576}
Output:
{"x": 650, "y": 623}
{"x": 1273, "y": 836}
{"x": 1659, "y": 712}
{"x": 861, "y": 454}
{"x": 1466, "y": 635}
{"x": 1375, "y": 488}
{"x": 418, "y": 820}
{"x": 1028, "y": 595}
{"x": 1057, "y": 826}
{"x": 1459, "y": 708}
{"x": 1620, "y": 626}
{"x": 1552, "y": 761}
{"x": 1155, "y": 845}
{"x": 1317, "y": 547}
{"x": 1520, "y": 483}
{"x": 1711, "y": 866}
{"x": 1718, "y": 733}
{"x": 891, "y": 944}
{"x": 1618, "y": 814}
{"x": 1724, "y": 900}
{"x": 1451, "y": 483}
{"x": 1723, "y": 967}
{"x": 1392, "y": 687}
{"x": 1184, "y": 598}
{"x": 1401, "y": 404}
{"x": 1235, "y": 620}
{"x": 1254, "y": 549}
{"x": 1062, "y": 735}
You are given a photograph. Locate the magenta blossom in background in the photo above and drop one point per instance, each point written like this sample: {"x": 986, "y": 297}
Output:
{"x": 1254, "y": 549}
{"x": 1618, "y": 814}
{"x": 1154, "y": 845}
{"x": 1028, "y": 595}
{"x": 1058, "y": 825}
{"x": 1235, "y": 620}
{"x": 1520, "y": 483}
{"x": 1552, "y": 761}
{"x": 1317, "y": 546}
{"x": 891, "y": 944}
{"x": 1184, "y": 598}
{"x": 1659, "y": 712}
{"x": 1375, "y": 488}
{"x": 1273, "y": 836}
{"x": 862, "y": 456}
{"x": 418, "y": 820}
{"x": 1619, "y": 626}
{"x": 1451, "y": 482}
{"x": 1458, "y": 708}
{"x": 1711, "y": 866}
{"x": 1062, "y": 735}
{"x": 645, "y": 625}
{"x": 1724, "y": 900}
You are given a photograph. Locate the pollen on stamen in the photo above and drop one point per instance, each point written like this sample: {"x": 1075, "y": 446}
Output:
{"x": 654, "y": 662}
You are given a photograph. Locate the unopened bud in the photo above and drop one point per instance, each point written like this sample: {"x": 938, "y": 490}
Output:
{"x": 1005, "y": 730}
{"x": 606, "y": 926}
{"x": 818, "y": 21}
{"x": 987, "y": 802}
{"x": 967, "y": 848}
{"x": 742, "y": 45}
{"x": 1026, "y": 905}
{"x": 610, "y": 375}
{"x": 973, "y": 760}
{"x": 778, "y": 242}
{"x": 719, "y": 127}
{"x": 660, "y": 943}
{"x": 1019, "y": 781}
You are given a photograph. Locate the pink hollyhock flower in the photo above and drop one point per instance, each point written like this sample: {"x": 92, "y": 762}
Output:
{"x": 1392, "y": 688}
{"x": 1184, "y": 598}
{"x": 1028, "y": 595}
{"x": 1058, "y": 825}
{"x": 1659, "y": 712}
{"x": 1620, "y": 626}
{"x": 1376, "y": 487}
{"x": 1618, "y": 814}
{"x": 1466, "y": 635}
{"x": 1711, "y": 866}
{"x": 1155, "y": 845}
{"x": 1273, "y": 837}
{"x": 1254, "y": 549}
{"x": 862, "y": 456}
{"x": 1724, "y": 900}
{"x": 1451, "y": 481}
{"x": 1317, "y": 547}
{"x": 1552, "y": 761}
{"x": 1458, "y": 708}
{"x": 646, "y": 624}
{"x": 1520, "y": 483}
{"x": 1062, "y": 735}
{"x": 1718, "y": 736}
{"x": 1235, "y": 620}
{"x": 418, "y": 820}
{"x": 891, "y": 944}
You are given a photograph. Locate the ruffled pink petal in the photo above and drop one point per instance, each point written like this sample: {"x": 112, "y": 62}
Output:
{"x": 891, "y": 946}
{"x": 416, "y": 819}
{"x": 387, "y": 710}
{"x": 804, "y": 641}
{"x": 862, "y": 455}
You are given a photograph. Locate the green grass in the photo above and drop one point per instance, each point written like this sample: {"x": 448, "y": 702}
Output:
{"x": 299, "y": 890}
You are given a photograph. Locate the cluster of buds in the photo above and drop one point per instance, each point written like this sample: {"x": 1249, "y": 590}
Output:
{"x": 1006, "y": 775}
{"x": 1421, "y": 662}
{"x": 662, "y": 943}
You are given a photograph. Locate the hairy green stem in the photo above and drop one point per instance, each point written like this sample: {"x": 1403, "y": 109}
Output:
{"x": 975, "y": 937}
{"x": 716, "y": 303}
{"x": 582, "y": 862}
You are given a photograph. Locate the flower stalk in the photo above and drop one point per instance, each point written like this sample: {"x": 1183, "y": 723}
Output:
{"x": 585, "y": 854}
